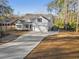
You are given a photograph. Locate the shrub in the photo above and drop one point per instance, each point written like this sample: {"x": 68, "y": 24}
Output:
{"x": 1, "y": 33}
{"x": 71, "y": 26}
{"x": 59, "y": 23}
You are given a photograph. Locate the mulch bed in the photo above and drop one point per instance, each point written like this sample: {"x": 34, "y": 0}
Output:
{"x": 57, "y": 47}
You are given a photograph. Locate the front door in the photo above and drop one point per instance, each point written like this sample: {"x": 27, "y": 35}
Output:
{"x": 30, "y": 26}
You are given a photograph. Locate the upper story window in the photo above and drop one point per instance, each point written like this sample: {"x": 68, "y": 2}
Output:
{"x": 39, "y": 19}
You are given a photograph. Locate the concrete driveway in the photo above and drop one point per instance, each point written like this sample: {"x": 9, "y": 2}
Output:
{"x": 22, "y": 46}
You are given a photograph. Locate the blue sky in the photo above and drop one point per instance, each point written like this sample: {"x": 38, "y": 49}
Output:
{"x": 29, "y": 6}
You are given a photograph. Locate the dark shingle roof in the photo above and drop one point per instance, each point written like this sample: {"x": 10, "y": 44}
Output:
{"x": 33, "y": 16}
{"x": 7, "y": 21}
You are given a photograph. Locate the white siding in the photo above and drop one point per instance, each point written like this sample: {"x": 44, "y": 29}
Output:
{"x": 41, "y": 26}
{"x": 37, "y": 26}
{"x": 19, "y": 27}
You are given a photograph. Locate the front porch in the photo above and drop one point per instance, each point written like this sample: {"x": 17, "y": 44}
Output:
{"x": 27, "y": 26}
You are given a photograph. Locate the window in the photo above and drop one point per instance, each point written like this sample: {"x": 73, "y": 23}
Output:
{"x": 18, "y": 26}
{"x": 39, "y": 19}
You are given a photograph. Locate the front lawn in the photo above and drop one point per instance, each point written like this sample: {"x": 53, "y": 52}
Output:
{"x": 64, "y": 45}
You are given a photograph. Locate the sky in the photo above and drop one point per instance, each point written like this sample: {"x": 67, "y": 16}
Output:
{"x": 29, "y": 6}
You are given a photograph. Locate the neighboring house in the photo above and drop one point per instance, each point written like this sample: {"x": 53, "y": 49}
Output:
{"x": 7, "y": 24}
{"x": 34, "y": 23}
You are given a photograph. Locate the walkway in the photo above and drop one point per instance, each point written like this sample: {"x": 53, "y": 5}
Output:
{"x": 22, "y": 46}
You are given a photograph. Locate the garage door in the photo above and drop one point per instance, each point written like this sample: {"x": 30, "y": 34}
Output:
{"x": 40, "y": 29}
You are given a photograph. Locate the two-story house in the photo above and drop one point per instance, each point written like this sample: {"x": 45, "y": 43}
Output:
{"x": 34, "y": 23}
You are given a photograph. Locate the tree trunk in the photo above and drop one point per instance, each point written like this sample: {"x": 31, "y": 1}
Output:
{"x": 77, "y": 16}
{"x": 65, "y": 13}
{"x": 77, "y": 22}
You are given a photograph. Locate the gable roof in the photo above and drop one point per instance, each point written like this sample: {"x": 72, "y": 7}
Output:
{"x": 33, "y": 16}
{"x": 7, "y": 21}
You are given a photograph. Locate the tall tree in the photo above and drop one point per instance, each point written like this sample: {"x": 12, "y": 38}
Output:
{"x": 5, "y": 9}
{"x": 62, "y": 6}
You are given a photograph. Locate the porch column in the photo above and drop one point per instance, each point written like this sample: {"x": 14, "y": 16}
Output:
{"x": 29, "y": 27}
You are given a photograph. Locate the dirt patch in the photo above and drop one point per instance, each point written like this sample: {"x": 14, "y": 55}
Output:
{"x": 57, "y": 47}
{"x": 11, "y": 36}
